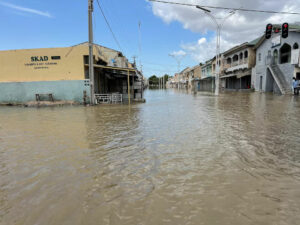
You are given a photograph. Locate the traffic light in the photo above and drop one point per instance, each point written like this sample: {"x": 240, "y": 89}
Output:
{"x": 285, "y": 30}
{"x": 269, "y": 31}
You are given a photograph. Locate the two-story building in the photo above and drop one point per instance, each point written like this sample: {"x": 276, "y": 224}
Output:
{"x": 238, "y": 63}
{"x": 183, "y": 78}
{"x": 207, "y": 81}
{"x": 194, "y": 78}
{"x": 277, "y": 62}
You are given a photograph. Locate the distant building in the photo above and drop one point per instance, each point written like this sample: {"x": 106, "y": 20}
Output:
{"x": 63, "y": 73}
{"x": 194, "y": 77}
{"x": 277, "y": 62}
{"x": 207, "y": 81}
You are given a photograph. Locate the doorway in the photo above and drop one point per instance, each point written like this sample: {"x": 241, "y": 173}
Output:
{"x": 275, "y": 57}
{"x": 260, "y": 83}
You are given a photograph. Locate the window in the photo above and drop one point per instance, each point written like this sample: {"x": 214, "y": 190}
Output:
{"x": 285, "y": 54}
{"x": 235, "y": 58}
{"x": 259, "y": 57}
{"x": 246, "y": 54}
{"x": 228, "y": 61}
{"x": 241, "y": 55}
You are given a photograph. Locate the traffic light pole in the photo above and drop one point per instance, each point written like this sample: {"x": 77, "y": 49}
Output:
{"x": 91, "y": 55}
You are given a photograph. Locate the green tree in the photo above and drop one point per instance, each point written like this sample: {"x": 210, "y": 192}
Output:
{"x": 153, "y": 80}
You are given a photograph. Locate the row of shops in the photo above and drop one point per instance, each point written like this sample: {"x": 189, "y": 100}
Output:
{"x": 266, "y": 65}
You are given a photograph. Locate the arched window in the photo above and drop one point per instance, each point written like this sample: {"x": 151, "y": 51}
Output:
{"x": 241, "y": 57}
{"x": 235, "y": 58}
{"x": 295, "y": 46}
{"x": 285, "y": 54}
{"x": 228, "y": 61}
{"x": 275, "y": 56}
{"x": 246, "y": 54}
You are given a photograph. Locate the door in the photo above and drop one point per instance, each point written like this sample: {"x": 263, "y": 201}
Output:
{"x": 260, "y": 83}
{"x": 275, "y": 57}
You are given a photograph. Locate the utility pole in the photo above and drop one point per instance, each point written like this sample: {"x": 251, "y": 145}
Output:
{"x": 159, "y": 83}
{"x": 91, "y": 54}
{"x": 140, "y": 47}
{"x": 134, "y": 61}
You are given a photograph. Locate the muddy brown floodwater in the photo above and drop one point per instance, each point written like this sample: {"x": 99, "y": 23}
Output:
{"x": 178, "y": 159}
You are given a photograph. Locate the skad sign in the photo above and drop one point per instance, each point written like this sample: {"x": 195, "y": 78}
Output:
{"x": 39, "y": 58}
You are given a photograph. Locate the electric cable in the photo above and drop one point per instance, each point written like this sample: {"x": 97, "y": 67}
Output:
{"x": 227, "y": 8}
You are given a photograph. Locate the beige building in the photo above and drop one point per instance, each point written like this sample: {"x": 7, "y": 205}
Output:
{"x": 63, "y": 73}
{"x": 238, "y": 64}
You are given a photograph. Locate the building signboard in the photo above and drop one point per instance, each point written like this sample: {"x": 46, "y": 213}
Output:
{"x": 276, "y": 41}
{"x": 42, "y": 62}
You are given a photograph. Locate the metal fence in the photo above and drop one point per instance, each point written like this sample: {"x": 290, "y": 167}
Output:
{"x": 108, "y": 98}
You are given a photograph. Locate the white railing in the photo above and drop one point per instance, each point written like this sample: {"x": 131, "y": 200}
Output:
{"x": 116, "y": 98}
{"x": 109, "y": 98}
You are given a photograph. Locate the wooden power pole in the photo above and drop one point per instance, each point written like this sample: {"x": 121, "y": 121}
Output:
{"x": 91, "y": 55}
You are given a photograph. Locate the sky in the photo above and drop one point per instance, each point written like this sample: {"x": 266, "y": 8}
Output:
{"x": 184, "y": 32}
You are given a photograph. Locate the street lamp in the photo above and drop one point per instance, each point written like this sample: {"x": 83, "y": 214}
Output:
{"x": 178, "y": 59}
{"x": 218, "y": 47}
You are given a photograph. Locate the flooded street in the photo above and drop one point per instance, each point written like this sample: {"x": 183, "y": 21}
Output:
{"x": 178, "y": 159}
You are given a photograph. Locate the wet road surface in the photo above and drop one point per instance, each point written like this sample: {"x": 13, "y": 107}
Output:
{"x": 178, "y": 159}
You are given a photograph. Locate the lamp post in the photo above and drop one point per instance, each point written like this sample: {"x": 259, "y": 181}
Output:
{"x": 178, "y": 59}
{"x": 219, "y": 26}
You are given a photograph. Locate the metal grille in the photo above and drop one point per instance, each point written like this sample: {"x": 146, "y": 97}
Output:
{"x": 108, "y": 98}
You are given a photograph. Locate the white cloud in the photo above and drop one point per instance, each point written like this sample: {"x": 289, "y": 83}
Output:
{"x": 201, "y": 41}
{"x": 239, "y": 28}
{"x": 203, "y": 49}
{"x": 27, "y": 10}
{"x": 178, "y": 53}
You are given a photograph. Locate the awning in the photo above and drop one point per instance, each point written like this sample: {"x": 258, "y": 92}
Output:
{"x": 206, "y": 78}
{"x": 113, "y": 68}
{"x": 238, "y": 75}
{"x": 230, "y": 75}
{"x": 120, "y": 71}
{"x": 247, "y": 73}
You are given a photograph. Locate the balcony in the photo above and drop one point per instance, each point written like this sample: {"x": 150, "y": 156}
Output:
{"x": 237, "y": 65}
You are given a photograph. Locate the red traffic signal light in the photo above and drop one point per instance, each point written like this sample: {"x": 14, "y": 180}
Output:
{"x": 285, "y": 30}
{"x": 277, "y": 30}
{"x": 269, "y": 31}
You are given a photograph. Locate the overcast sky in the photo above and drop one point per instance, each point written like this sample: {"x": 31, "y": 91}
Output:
{"x": 185, "y": 32}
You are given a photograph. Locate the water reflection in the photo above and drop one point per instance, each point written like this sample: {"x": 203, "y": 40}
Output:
{"x": 178, "y": 159}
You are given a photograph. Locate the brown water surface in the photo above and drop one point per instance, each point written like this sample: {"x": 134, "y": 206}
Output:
{"x": 178, "y": 159}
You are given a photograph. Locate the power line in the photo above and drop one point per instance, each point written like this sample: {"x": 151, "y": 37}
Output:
{"x": 227, "y": 8}
{"x": 113, "y": 34}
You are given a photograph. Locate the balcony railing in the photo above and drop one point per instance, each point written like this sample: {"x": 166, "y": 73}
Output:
{"x": 236, "y": 63}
